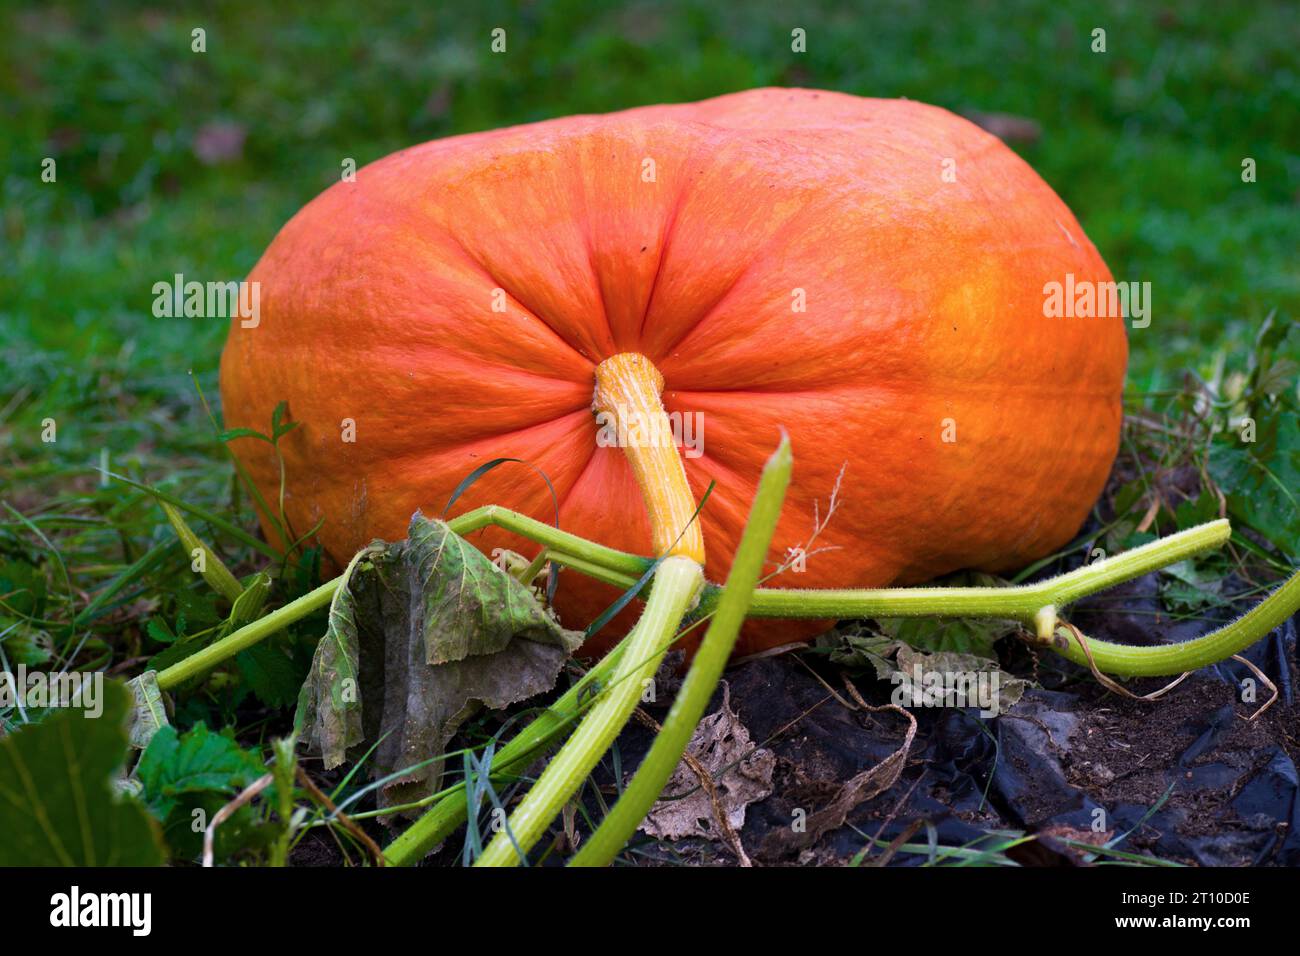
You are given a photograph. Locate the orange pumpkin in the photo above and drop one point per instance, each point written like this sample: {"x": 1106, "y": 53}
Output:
{"x": 786, "y": 258}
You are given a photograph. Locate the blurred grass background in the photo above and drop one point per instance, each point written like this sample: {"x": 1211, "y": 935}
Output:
{"x": 170, "y": 161}
{"x": 174, "y": 161}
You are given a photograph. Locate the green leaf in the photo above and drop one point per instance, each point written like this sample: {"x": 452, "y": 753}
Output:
{"x": 426, "y": 633}
{"x": 158, "y": 630}
{"x": 278, "y": 428}
{"x": 57, "y": 800}
{"x": 1186, "y": 588}
{"x": 306, "y": 575}
{"x": 22, "y": 589}
{"x": 22, "y": 594}
{"x": 248, "y": 606}
{"x": 199, "y": 761}
{"x": 271, "y": 674}
{"x": 1278, "y": 376}
{"x": 24, "y": 644}
{"x": 1271, "y": 374}
{"x": 1272, "y": 332}
{"x": 1261, "y": 479}
{"x": 232, "y": 433}
{"x": 1194, "y": 511}
{"x": 1128, "y": 496}
{"x": 198, "y": 608}
{"x": 965, "y": 636}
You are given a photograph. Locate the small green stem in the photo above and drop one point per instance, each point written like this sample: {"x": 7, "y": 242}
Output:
{"x": 1019, "y": 603}
{"x": 621, "y": 569}
{"x": 594, "y": 571}
{"x": 711, "y": 657}
{"x": 677, "y": 582}
{"x": 549, "y": 536}
{"x": 1025, "y": 603}
{"x": 1165, "y": 660}
{"x": 529, "y": 574}
{"x": 246, "y": 636}
{"x": 284, "y": 770}
{"x": 214, "y": 571}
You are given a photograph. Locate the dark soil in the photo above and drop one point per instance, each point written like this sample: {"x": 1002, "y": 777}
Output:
{"x": 1185, "y": 779}
{"x": 1061, "y": 763}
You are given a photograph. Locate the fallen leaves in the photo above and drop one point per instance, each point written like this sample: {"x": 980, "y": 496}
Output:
{"x": 741, "y": 775}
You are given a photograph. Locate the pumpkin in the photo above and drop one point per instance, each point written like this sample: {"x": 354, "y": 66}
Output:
{"x": 869, "y": 275}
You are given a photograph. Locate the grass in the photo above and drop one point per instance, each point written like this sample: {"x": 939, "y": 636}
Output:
{"x": 1145, "y": 142}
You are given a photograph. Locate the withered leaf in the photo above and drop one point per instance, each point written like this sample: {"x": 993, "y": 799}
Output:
{"x": 148, "y": 713}
{"x": 950, "y": 679}
{"x": 742, "y": 774}
{"x": 425, "y": 632}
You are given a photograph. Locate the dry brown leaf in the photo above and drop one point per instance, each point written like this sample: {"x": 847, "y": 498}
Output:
{"x": 742, "y": 775}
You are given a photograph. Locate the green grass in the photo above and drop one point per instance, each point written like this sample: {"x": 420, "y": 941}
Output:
{"x": 1144, "y": 141}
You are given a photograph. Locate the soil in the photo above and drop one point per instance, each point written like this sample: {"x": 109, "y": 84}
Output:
{"x": 1075, "y": 762}
{"x": 1187, "y": 778}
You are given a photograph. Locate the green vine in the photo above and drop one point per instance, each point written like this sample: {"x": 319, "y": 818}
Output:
{"x": 677, "y": 582}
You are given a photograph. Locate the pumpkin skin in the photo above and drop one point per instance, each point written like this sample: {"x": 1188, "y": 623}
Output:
{"x": 923, "y": 318}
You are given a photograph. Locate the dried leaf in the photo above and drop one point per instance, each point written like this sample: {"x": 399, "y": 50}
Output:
{"x": 948, "y": 679}
{"x": 858, "y": 648}
{"x": 329, "y": 705}
{"x": 741, "y": 775}
{"x": 866, "y": 785}
{"x": 149, "y": 715}
{"x": 950, "y": 665}
{"x": 426, "y": 633}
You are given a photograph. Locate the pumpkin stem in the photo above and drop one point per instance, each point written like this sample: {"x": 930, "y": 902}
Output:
{"x": 677, "y": 581}
{"x": 627, "y": 406}
{"x": 630, "y": 413}
{"x": 706, "y": 669}
{"x": 1165, "y": 660}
